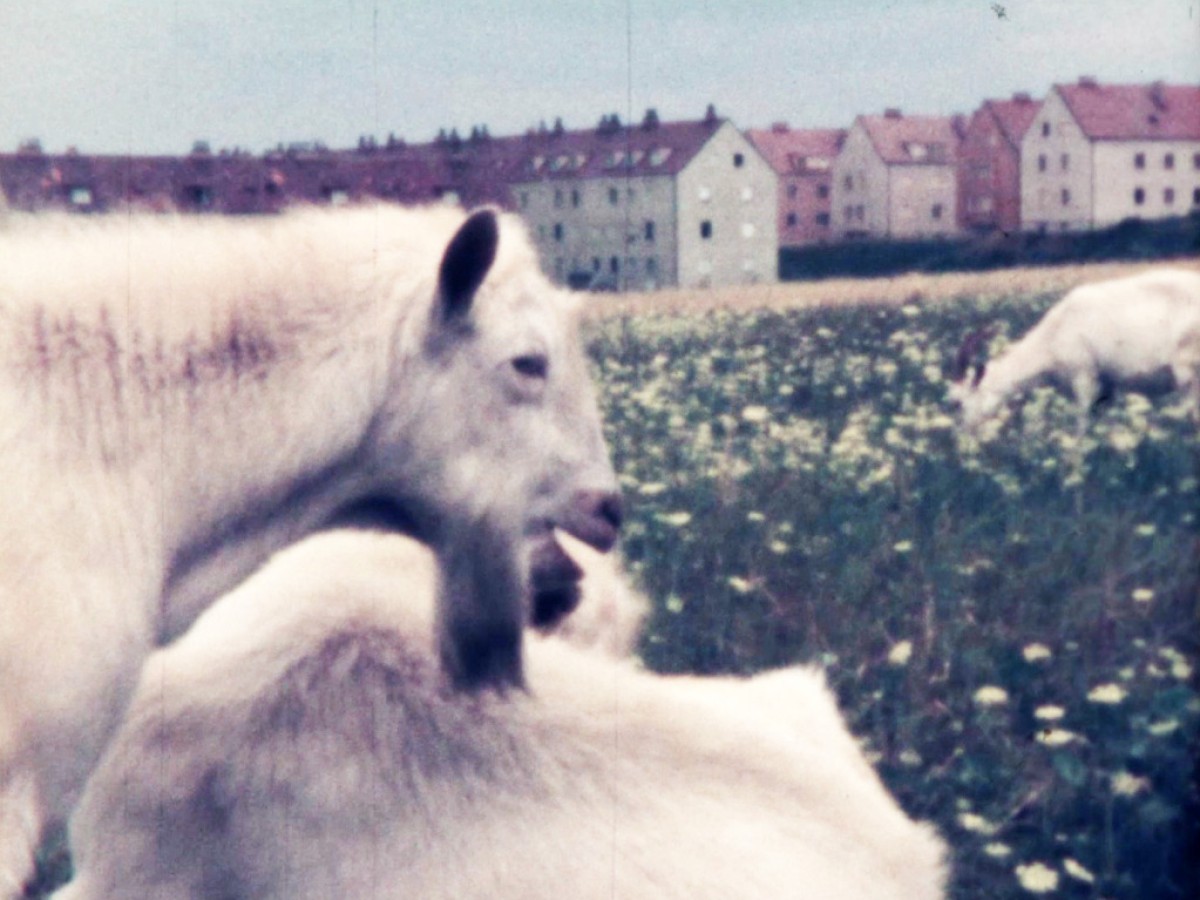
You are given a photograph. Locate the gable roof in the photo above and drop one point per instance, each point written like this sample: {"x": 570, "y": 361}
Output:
{"x": 913, "y": 140}
{"x": 796, "y": 151}
{"x": 612, "y": 150}
{"x": 1133, "y": 111}
{"x": 1014, "y": 116}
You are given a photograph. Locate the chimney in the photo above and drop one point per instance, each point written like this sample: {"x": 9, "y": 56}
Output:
{"x": 1088, "y": 81}
{"x": 779, "y": 127}
{"x": 710, "y": 115}
{"x": 1022, "y": 97}
{"x": 650, "y": 121}
{"x": 1158, "y": 95}
{"x": 892, "y": 112}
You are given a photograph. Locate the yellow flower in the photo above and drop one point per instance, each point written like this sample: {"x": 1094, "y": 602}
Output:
{"x": 1048, "y": 713}
{"x": 1037, "y": 878}
{"x": 970, "y": 821}
{"x": 1126, "y": 784}
{"x": 900, "y": 653}
{"x": 1056, "y": 737}
{"x": 675, "y": 519}
{"x": 1107, "y": 693}
{"x": 1142, "y": 595}
{"x": 1077, "y": 871}
{"x": 1035, "y": 652}
{"x": 990, "y": 695}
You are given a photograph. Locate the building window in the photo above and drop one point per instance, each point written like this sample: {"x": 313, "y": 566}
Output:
{"x": 1169, "y": 161}
{"x": 595, "y": 264}
{"x": 1139, "y": 196}
{"x": 1045, "y": 129}
{"x": 792, "y": 191}
{"x": 936, "y": 211}
{"x": 614, "y": 196}
{"x": 558, "y": 231}
{"x": 648, "y": 231}
{"x": 1139, "y": 160}
{"x": 1041, "y": 162}
{"x": 1065, "y": 196}
{"x": 1065, "y": 161}
{"x": 706, "y": 229}
{"x": 81, "y": 196}
{"x": 792, "y": 220}
{"x": 859, "y": 212}
{"x": 575, "y": 197}
{"x": 822, "y": 219}
{"x": 823, "y": 191}
{"x": 614, "y": 265}
{"x": 1168, "y": 196}
{"x": 651, "y": 265}
{"x": 738, "y": 160}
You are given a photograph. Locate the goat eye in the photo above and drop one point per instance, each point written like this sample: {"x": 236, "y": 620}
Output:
{"x": 532, "y": 365}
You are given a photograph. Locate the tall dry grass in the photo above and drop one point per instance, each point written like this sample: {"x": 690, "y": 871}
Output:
{"x": 920, "y": 287}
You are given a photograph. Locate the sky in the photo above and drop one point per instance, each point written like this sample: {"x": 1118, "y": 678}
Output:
{"x": 155, "y": 76}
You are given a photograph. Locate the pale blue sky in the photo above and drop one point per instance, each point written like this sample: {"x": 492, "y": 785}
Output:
{"x": 146, "y": 76}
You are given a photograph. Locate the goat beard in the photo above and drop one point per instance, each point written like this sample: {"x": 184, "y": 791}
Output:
{"x": 554, "y": 582}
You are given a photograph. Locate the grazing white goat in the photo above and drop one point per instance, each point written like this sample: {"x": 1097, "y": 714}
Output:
{"x": 300, "y": 743}
{"x": 180, "y": 398}
{"x": 1140, "y": 333}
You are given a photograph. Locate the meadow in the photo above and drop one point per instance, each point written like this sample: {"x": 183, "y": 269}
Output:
{"x": 1012, "y": 636}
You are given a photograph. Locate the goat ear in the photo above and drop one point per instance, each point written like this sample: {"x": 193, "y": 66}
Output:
{"x": 968, "y": 353}
{"x": 466, "y": 262}
{"x": 980, "y": 368}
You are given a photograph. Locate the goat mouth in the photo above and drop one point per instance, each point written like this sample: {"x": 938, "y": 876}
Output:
{"x": 554, "y": 582}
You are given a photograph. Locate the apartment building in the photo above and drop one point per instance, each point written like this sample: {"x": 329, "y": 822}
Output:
{"x": 989, "y": 166}
{"x": 689, "y": 204}
{"x": 802, "y": 159}
{"x": 1097, "y": 154}
{"x": 896, "y": 177}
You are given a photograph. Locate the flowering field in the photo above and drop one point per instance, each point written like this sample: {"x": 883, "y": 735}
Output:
{"x": 1013, "y": 635}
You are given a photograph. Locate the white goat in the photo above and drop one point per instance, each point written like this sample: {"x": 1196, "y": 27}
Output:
{"x": 1140, "y": 333}
{"x": 301, "y": 743}
{"x": 180, "y": 398}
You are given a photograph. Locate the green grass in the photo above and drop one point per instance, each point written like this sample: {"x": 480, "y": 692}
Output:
{"x": 1015, "y": 639}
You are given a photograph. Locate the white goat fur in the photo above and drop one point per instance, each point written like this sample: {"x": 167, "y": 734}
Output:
{"x": 1139, "y": 333}
{"x": 299, "y": 742}
{"x": 181, "y": 398}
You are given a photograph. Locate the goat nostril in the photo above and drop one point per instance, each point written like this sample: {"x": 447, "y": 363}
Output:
{"x": 611, "y": 510}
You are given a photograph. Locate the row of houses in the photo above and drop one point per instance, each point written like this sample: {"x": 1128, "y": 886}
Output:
{"x": 1087, "y": 156}
{"x": 697, "y": 203}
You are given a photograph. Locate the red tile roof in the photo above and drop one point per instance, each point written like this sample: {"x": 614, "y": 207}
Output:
{"x": 1014, "y": 116}
{"x": 1134, "y": 111}
{"x": 913, "y": 140}
{"x": 787, "y": 150}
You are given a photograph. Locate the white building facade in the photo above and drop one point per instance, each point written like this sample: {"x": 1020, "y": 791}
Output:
{"x": 683, "y": 204}
{"x": 1098, "y": 154}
